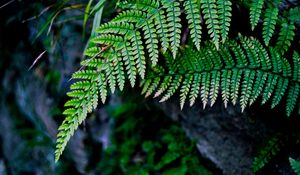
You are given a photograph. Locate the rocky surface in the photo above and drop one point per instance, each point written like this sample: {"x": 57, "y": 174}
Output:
{"x": 227, "y": 137}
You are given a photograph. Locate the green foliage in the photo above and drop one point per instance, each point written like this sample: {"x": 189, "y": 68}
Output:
{"x": 128, "y": 46}
{"x": 295, "y": 165}
{"x": 286, "y": 36}
{"x": 266, "y": 153}
{"x": 137, "y": 148}
{"x": 271, "y": 16}
{"x": 206, "y": 69}
{"x": 255, "y": 12}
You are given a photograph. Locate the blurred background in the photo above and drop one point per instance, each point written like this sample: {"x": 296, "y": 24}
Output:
{"x": 41, "y": 45}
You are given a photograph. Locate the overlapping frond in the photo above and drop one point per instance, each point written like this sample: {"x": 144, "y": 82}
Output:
{"x": 128, "y": 49}
{"x": 267, "y": 75}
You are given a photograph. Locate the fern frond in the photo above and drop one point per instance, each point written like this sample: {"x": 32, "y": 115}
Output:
{"x": 250, "y": 49}
{"x": 271, "y": 148}
{"x": 184, "y": 91}
{"x": 174, "y": 25}
{"x": 214, "y": 87}
{"x": 225, "y": 86}
{"x": 162, "y": 29}
{"x": 242, "y": 70}
{"x": 296, "y": 61}
{"x": 151, "y": 41}
{"x": 270, "y": 18}
{"x": 235, "y": 85}
{"x": 295, "y": 165}
{"x": 205, "y": 82}
{"x": 137, "y": 50}
{"x": 292, "y": 98}
{"x": 174, "y": 85}
{"x": 224, "y": 14}
{"x": 163, "y": 86}
{"x": 246, "y": 88}
{"x": 195, "y": 88}
{"x": 280, "y": 91}
{"x": 255, "y": 12}
{"x": 193, "y": 17}
{"x": 239, "y": 54}
{"x": 286, "y": 36}
{"x": 267, "y": 75}
{"x": 82, "y": 103}
{"x": 270, "y": 86}
{"x": 210, "y": 12}
{"x": 294, "y": 14}
{"x": 258, "y": 86}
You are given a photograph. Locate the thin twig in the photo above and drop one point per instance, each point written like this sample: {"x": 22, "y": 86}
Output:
{"x": 6, "y": 4}
{"x": 36, "y": 60}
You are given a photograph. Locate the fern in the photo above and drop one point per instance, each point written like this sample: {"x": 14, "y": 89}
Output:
{"x": 238, "y": 83}
{"x": 295, "y": 165}
{"x": 173, "y": 20}
{"x": 267, "y": 152}
{"x": 224, "y": 12}
{"x": 212, "y": 20}
{"x": 127, "y": 49}
{"x": 193, "y": 17}
{"x": 271, "y": 16}
{"x": 294, "y": 14}
{"x": 255, "y": 12}
{"x": 286, "y": 36}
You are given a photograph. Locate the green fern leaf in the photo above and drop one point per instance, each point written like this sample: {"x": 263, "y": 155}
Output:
{"x": 205, "y": 82}
{"x": 279, "y": 92}
{"x": 296, "y": 72}
{"x": 173, "y": 20}
{"x": 195, "y": 88}
{"x": 227, "y": 57}
{"x": 292, "y": 98}
{"x": 246, "y": 88}
{"x": 259, "y": 83}
{"x": 271, "y": 16}
{"x": 285, "y": 38}
{"x": 137, "y": 51}
{"x": 146, "y": 84}
{"x": 119, "y": 71}
{"x": 276, "y": 61}
{"x": 270, "y": 86}
{"x": 193, "y": 17}
{"x": 151, "y": 41}
{"x": 153, "y": 86}
{"x": 294, "y": 14}
{"x": 239, "y": 54}
{"x": 224, "y": 13}
{"x": 295, "y": 165}
{"x": 235, "y": 85}
{"x": 172, "y": 89}
{"x": 109, "y": 73}
{"x": 74, "y": 117}
{"x": 252, "y": 55}
{"x": 271, "y": 148}
{"x": 185, "y": 89}
{"x": 162, "y": 29}
{"x": 210, "y": 12}
{"x": 255, "y": 12}
{"x": 164, "y": 85}
{"x": 214, "y": 88}
{"x": 262, "y": 55}
{"x": 225, "y": 86}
